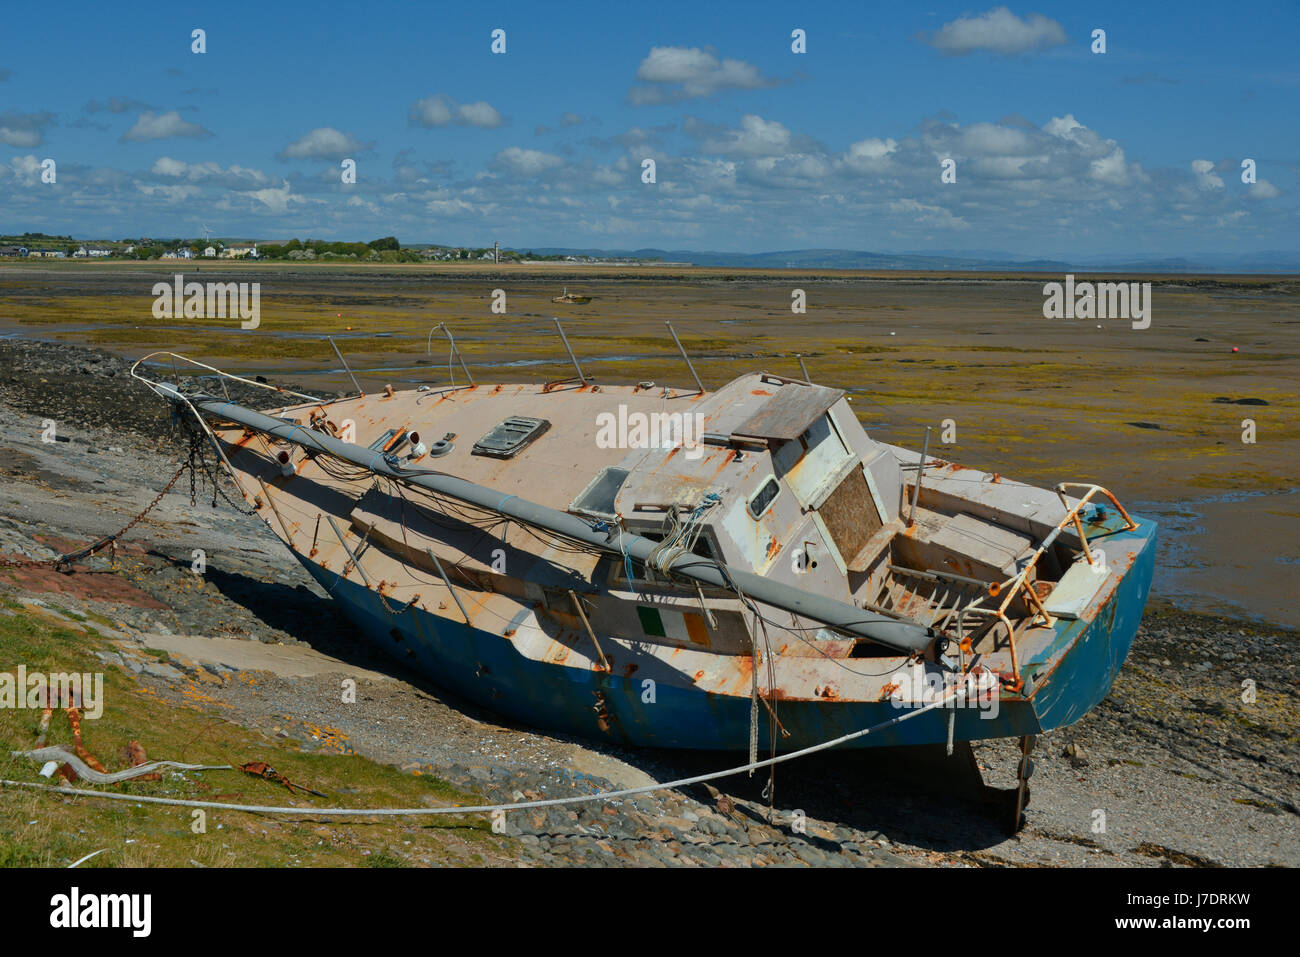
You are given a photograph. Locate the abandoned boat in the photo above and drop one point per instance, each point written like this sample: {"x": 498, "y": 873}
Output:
{"x": 647, "y": 565}
{"x": 571, "y": 297}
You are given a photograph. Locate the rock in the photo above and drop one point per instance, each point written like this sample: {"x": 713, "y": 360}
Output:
{"x": 160, "y": 670}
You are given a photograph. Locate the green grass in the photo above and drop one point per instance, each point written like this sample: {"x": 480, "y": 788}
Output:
{"x": 51, "y": 830}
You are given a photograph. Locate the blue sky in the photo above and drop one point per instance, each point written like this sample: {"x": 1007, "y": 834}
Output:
{"x": 1058, "y": 151}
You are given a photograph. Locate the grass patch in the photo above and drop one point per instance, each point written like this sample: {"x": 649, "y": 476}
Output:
{"x": 51, "y": 830}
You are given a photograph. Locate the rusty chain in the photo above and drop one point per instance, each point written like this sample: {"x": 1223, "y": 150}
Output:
{"x": 195, "y": 465}
{"x": 62, "y": 562}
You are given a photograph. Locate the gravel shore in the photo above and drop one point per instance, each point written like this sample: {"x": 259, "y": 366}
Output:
{"x": 1192, "y": 759}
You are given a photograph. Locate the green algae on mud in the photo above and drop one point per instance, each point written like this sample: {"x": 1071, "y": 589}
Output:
{"x": 1039, "y": 398}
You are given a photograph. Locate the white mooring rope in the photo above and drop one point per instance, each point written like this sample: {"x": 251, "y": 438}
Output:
{"x": 482, "y": 808}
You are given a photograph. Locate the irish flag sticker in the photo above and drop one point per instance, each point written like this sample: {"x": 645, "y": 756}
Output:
{"x": 670, "y": 623}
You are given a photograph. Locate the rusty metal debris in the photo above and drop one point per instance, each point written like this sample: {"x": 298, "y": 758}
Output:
{"x": 260, "y": 769}
{"x": 79, "y": 763}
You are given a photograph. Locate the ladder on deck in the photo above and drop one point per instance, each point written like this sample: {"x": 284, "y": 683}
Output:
{"x": 936, "y": 597}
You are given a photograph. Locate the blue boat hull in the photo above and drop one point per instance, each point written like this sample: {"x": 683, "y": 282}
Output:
{"x": 488, "y": 669}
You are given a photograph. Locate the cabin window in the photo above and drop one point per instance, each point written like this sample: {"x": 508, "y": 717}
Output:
{"x": 510, "y": 437}
{"x": 813, "y": 464}
{"x": 763, "y": 498}
{"x": 598, "y": 497}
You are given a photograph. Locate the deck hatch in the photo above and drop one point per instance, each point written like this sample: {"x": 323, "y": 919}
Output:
{"x": 511, "y": 437}
{"x": 789, "y": 413}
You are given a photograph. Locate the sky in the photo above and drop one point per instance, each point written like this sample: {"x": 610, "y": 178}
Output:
{"x": 1056, "y": 150}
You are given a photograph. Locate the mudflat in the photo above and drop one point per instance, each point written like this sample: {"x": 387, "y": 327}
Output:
{"x": 1181, "y": 427}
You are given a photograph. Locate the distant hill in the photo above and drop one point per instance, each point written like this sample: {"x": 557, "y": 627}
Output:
{"x": 948, "y": 260}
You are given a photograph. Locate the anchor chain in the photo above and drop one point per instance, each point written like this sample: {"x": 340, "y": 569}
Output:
{"x": 63, "y": 563}
{"x": 195, "y": 463}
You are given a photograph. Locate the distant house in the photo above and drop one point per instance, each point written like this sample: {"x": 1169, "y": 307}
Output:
{"x": 80, "y": 253}
{"x": 50, "y": 253}
{"x": 239, "y": 252}
{"x": 12, "y": 251}
{"x": 209, "y": 252}
{"x": 98, "y": 253}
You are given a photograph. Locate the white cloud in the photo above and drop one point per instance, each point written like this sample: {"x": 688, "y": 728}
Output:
{"x": 442, "y": 206}
{"x": 1063, "y": 126}
{"x": 276, "y": 199}
{"x": 1206, "y": 178}
{"x": 26, "y": 170}
{"x": 871, "y": 155}
{"x": 24, "y": 130}
{"x": 990, "y": 139}
{"x": 210, "y": 173}
{"x": 928, "y": 215}
{"x": 324, "y": 142}
{"x": 1263, "y": 189}
{"x": 755, "y": 180}
{"x": 997, "y": 31}
{"x": 1110, "y": 169}
{"x": 526, "y": 162}
{"x": 172, "y": 194}
{"x": 755, "y": 137}
{"x": 794, "y": 169}
{"x": 683, "y": 73}
{"x": 151, "y": 126}
{"x": 442, "y": 110}
{"x": 166, "y": 166}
